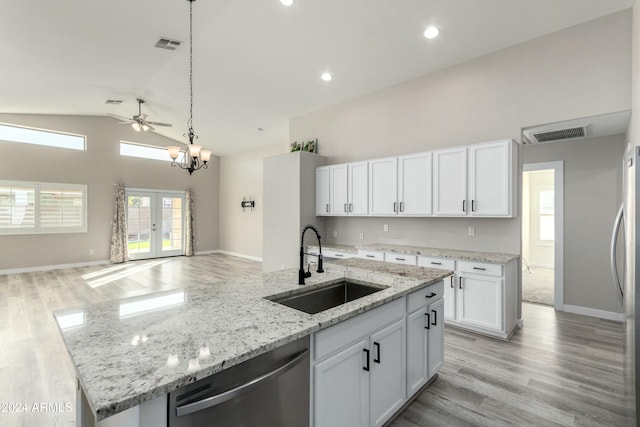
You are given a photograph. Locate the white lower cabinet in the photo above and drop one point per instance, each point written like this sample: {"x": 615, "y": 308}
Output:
{"x": 450, "y": 298}
{"x": 341, "y": 389}
{"x": 388, "y": 390}
{"x": 480, "y": 301}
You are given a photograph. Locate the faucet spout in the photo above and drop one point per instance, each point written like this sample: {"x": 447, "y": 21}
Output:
{"x": 301, "y": 273}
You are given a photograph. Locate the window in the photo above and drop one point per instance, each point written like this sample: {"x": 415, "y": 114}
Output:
{"x": 25, "y": 135}
{"x": 547, "y": 229}
{"x": 152, "y": 152}
{"x": 42, "y": 207}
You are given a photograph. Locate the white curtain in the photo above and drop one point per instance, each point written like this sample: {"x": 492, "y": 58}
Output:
{"x": 119, "y": 250}
{"x": 188, "y": 222}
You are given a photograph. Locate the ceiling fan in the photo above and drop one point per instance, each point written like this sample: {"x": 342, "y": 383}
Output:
{"x": 139, "y": 122}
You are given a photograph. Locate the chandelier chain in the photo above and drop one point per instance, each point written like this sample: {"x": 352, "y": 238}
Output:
{"x": 190, "y": 63}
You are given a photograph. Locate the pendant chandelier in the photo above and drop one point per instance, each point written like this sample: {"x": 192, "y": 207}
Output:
{"x": 194, "y": 157}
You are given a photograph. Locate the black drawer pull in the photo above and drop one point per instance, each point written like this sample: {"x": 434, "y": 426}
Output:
{"x": 479, "y": 268}
{"x": 464, "y": 207}
{"x": 338, "y": 255}
{"x": 366, "y": 367}
{"x": 400, "y": 259}
{"x": 436, "y": 263}
{"x": 453, "y": 282}
{"x": 431, "y": 295}
{"x": 377, "y": 358}
{"x": 371, "y": 256}
{"x": 435, "y": 317}
{"x": 428, "y": 325}
{"x": 460, "y": 282}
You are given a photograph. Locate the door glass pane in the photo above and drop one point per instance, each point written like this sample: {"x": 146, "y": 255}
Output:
{"x": 171, "y": 223}
{"x": 139, "y": 224}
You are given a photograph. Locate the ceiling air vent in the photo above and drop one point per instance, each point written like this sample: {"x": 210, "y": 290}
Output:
{"x": 537, "y": 136}
{"x": 168, "y": 44}
{"x": 113, "y": 101}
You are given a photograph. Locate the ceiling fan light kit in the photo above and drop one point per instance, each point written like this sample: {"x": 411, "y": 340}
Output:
{"x": 194, "y": 156}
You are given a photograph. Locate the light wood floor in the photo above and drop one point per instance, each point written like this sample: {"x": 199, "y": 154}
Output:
{"x": 560, "y": 369}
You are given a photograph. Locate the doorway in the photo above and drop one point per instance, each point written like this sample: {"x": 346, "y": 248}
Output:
{"x": 155, "y": 223}
{"x": 542, "y": 212}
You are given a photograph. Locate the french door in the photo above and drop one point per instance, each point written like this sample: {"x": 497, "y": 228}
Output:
{"x": 155, "y": 223}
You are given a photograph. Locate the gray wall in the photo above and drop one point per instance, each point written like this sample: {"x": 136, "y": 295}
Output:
{"x": 99, "y": 167}
{"x": 578, "y": 72}
{"x": 592, "y": 195}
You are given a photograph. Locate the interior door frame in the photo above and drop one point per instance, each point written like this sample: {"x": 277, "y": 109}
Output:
{"x": 558, "y": 246}
{"x": 156, "y": 197}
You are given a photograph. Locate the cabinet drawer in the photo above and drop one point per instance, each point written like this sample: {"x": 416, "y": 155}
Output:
{"x": 400, "y": 258}
{"x": 338, "y": 336}
{"x": 373, "y": 255}
{"x": 444, "y": 264}
{"x": 480, "y": 268}
{"x": 420, "y": 298}
{"x": 327, "y": 253}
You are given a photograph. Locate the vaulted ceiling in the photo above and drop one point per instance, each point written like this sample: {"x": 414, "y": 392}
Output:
{"x": 257, "y": 63}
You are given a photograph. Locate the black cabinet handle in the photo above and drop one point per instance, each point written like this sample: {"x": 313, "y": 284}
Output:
{"x": 371, "y": 256}
{"x": 473, "y": 205}
{"x": 377, "y": 358}
{"x": 479, "y": 268}
{"x": 453, "y": 282}
{"x": 464, "y": 206}
{"x": 428, "y": 325}
{"x": 460, "y": 282}
{"x": 327, "y": 207}
{"x": 400, "y": 259}
{"x": 345, "y": 207}
{"x": 436, "y": 263}
{"x": 431, "y": 295}
{"x": 366, "y": 367}
{"x": 401, "y": 206}
{"x": 350, "y": 207}
{"x": 338, "y": 255}
{"x": 435, "y": 317}
{"x": 395, "y": 206}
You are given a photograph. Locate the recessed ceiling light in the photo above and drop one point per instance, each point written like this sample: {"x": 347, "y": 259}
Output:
{"x": 326, "y": 77}
{"x": 431, "y": 32}
{"x": 286, "y": 2}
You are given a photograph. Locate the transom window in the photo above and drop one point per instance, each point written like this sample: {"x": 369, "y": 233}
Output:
{"x": 49, "y": 138}
{"x": 142, "y": 151}
{"x": 42, "y": 207}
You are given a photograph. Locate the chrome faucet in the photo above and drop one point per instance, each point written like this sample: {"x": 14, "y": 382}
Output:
{"x": 301, "y": 273}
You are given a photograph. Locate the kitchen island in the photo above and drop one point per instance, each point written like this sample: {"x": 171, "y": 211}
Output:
{"x": 128, "y": 353}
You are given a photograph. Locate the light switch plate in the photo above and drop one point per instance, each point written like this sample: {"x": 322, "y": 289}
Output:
{"x": 472, "y": 231}
{"x": 386, "y": 227}
{"x": 361, "y": 235}
{"x": 335, "y": 233}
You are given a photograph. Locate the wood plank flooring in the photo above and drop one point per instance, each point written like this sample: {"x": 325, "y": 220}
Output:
{"x": 560, "y": 369}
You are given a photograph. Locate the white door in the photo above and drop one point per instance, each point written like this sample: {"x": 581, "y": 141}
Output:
{"x": 383, "y": 186}
{"x": 339, "y": 201}
{"x": 414, "y": 184}
{"x": 388, "y": 380}
{"x": 450, "y": 182}
{"x": 490, "y": 179}
{"x": 416, "y": 350}
{"x": 155, "y": 224}
{"x": 341, "y": 388}
{"x": 322, "y": 190}
{"x": 358, "y": 188}
{"x": 480, "y": 301}
{"x": 435, "y": 345}
{"x": 450, "y": 298}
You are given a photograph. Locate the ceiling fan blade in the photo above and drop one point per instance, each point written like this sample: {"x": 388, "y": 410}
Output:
{"x": 160, "y": 124}
{"x": 126, "y": 119}
{"x": 150, "y": 127}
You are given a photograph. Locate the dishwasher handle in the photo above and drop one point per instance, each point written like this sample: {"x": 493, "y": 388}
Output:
{"x": 217, "y": 399}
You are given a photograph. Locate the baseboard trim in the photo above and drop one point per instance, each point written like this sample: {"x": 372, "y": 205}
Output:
{"x": 51, "y": 267}
{"x": 213, "y": 251}
{"x": 592, "y": 312}
{"x": 236, "y": 254}
{"x": 519, "y": 323}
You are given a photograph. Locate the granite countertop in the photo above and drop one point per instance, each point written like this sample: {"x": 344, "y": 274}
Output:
{"x": 129, "y": 351}
{"x": 479, "y": 256}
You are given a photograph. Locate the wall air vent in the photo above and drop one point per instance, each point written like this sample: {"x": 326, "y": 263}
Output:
{"x": 538, "y": 136}
{"x": 168, "y": 44}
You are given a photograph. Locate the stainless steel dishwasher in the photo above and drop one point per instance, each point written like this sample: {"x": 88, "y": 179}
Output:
{"x": 269, "y": 390}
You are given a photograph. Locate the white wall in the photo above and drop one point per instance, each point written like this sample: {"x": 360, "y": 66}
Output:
{"x": 99, "y": 167}
{"x": 241, "y": 176}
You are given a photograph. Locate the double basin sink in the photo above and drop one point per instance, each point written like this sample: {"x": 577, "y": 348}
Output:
{"x": 332, "y": 295}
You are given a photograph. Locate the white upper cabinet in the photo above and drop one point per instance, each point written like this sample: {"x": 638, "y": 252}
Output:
{"x": 383, "y": 186}
{"x": 490, "y": 176}
{"x": 358, "y": 188}
{"x": 338, "y": 195}
{"x": 450, "y": 182}
{"x": 414, "y": 184}
{"x": 322, "y": 190}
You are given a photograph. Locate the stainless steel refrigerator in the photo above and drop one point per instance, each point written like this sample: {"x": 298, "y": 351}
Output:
{"x": 625, "y": 270}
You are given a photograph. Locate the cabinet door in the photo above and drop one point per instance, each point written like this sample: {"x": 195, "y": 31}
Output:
{"x": 383, "y": 183}
{"x": 490, "y": 179}
{"x": 358, "y": 188}
{"x": 338, "y": 194}
{"x": 388, "y": 380}
{"x": 417, "y": 363}
{"x": 341, "y": 389}
{"x": 480, "y": 301}
{"x": 414, "y": 184}
{"x": 450, "y": 298}
{"x": 435, "y": 344}
{"x": 322, "y": 190}
{"x": 450, "y": 182}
